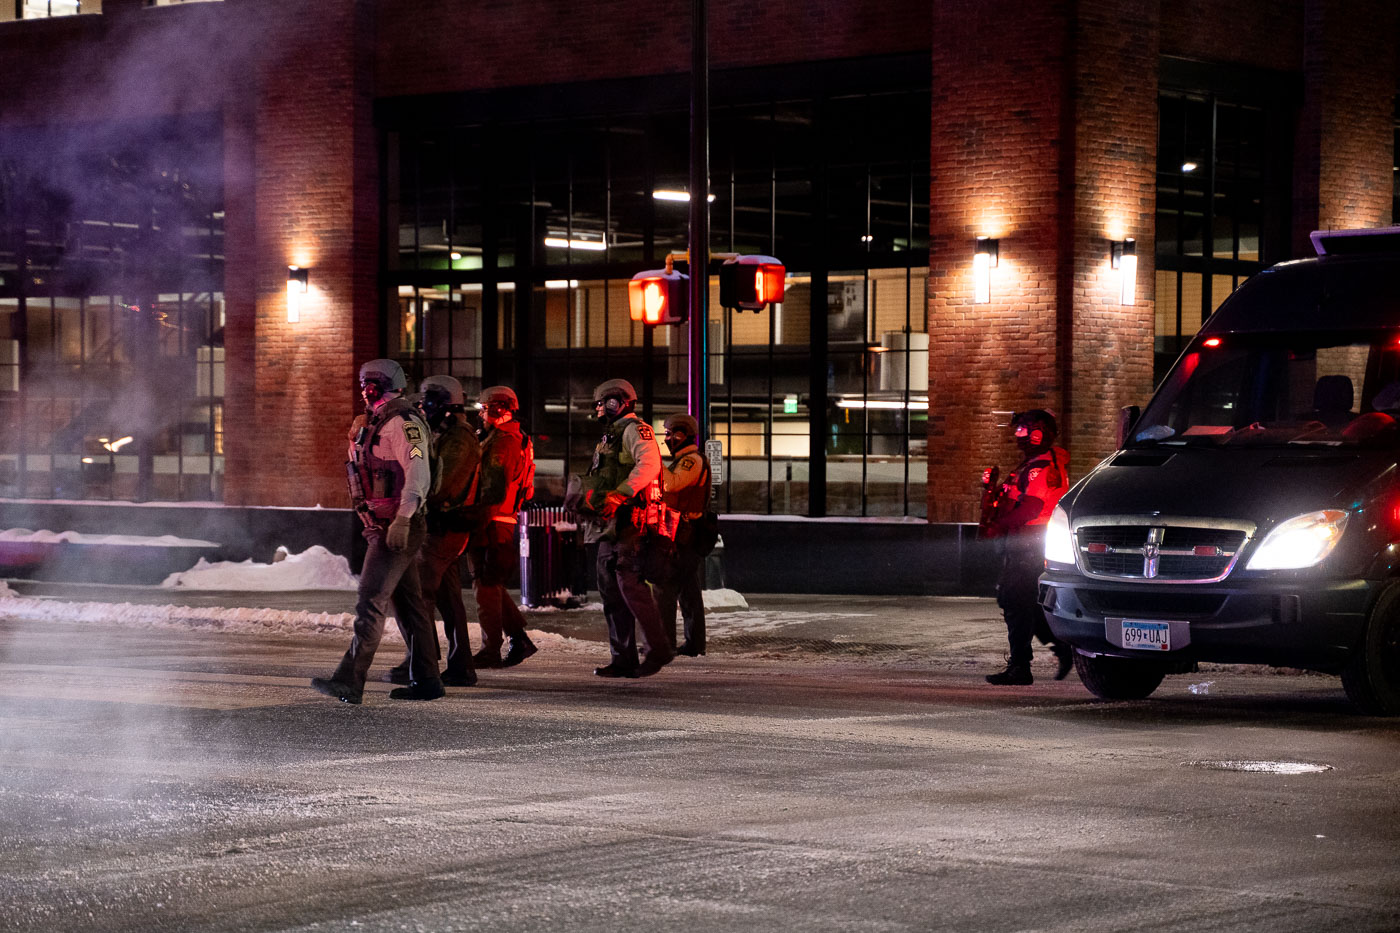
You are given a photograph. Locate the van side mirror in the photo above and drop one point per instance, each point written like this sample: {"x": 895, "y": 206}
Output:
{"x": 1127, "y": 417}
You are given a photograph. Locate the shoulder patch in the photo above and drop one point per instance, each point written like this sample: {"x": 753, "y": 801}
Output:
{"x": 687, "y": 462}
{"x": 412, "y": 432}
{"x": 645, "y": 431}
{"x": 1034, "y": 474}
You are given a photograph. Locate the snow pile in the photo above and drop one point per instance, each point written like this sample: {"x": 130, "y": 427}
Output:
{"x": 313, "y": 569}
{"x": 724, "y": 599}
{"x": 245, "y": 621}
{"x": 771, "y": 620}
{"x": 25, "y": 536}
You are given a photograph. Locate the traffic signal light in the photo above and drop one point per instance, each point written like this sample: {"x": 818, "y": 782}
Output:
{"x": 750, "y": 282}
{"x": 658, "y": 297}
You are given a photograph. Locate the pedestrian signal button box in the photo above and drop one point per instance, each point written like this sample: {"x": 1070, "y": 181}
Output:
{"x": 749, "y": 283}
{"x": 658, "y": 297}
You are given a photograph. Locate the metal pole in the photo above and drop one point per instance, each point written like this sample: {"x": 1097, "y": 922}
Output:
{"x": 697, "y": 396}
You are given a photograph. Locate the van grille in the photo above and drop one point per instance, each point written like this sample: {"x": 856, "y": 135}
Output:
{"x": 1166, "y": 553}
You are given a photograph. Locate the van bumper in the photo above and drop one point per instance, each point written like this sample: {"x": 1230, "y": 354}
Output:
{"x": 1266, "y": 621}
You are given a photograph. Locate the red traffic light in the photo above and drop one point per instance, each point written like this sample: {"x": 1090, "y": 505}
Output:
{"x": 751, "y": 282}
{"x": 658, "y": 297}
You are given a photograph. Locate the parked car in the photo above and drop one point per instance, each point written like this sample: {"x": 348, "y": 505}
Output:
{"x": 1252, "y": 511}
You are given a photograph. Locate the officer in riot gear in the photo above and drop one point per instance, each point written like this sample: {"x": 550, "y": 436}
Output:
{"x": 458, "y": 456}
{"x": 621, "y": 492}
{"x": 507, "y": 481}
{"x": 389, "y": 459}
{"x": 685, "y": 487}
{"x": 1028, "y": 497}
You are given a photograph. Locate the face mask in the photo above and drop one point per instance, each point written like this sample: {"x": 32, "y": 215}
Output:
{"x": 677, "y": 442}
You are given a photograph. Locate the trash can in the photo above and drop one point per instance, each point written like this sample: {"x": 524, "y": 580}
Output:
{"x": 553, "y": 560}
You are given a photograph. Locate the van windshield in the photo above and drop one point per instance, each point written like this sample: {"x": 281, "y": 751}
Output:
{"x": 1273, "y": 389}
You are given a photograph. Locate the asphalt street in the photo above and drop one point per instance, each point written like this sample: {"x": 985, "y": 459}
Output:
{"x": 832, "y": 764}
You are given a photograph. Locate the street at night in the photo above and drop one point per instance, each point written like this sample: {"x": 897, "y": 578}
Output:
{"x": 173, "y": 778}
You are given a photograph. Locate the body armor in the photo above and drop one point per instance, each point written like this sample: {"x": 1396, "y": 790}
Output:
{"x": 382, "y": 480}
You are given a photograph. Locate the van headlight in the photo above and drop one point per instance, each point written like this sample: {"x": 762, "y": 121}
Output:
{"x": 1302, "y": 541}
{"x": 1059, "y": 540}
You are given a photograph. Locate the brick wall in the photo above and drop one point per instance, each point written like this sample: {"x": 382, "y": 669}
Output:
{"x": 1256, "y": 33}
{"x": 1048, "y": 146}
{"x": 1109, "y": 351}
{"x": 434, "y": 46}
{"x": 315, "y": 204}
{"x": 1346, "y": 147}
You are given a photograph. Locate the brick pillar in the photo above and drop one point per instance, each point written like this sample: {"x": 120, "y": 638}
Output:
{"x": 1109, "y": 363}
{"x": 1343, "y": 172}
{"x": 1047, "y": 143}
{"x": 315, "y": 203}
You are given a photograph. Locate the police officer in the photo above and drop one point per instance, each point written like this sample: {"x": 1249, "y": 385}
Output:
{"x": 685, "y": 487}
{"x": 458, "y": 455}
{"x": 507, "y": 480}
{"x": 626, "y": 469}
{"x": 1029, "y": 496}
{"x": 390, "y": 477}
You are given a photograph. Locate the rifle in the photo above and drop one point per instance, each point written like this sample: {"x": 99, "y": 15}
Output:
{"x": 357, "y": 495}
{"x": 992, "y": 498}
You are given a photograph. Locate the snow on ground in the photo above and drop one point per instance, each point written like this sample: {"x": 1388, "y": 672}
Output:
{"x": 313, "y": 569}
{"x": 242, "y": 621}
{"x": 25, "y": 536}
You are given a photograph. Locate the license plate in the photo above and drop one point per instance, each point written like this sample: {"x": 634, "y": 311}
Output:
{"x": 1149, "y": 636}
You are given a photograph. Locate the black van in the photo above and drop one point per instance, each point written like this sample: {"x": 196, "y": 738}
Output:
{"x": 1252, "y": 511}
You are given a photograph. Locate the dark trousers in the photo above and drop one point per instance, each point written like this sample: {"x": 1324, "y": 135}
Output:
{"x": 627, "y": 600}
{"x": 387, "y": 578}
{"x": 495, "y": 555}
{"x": 440, "y": 575}
{"x": 682, "y": 586}
{"x": 1017, "y": 596}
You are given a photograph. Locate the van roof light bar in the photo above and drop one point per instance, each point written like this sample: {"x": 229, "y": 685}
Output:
{"x": 1355, "y": 242}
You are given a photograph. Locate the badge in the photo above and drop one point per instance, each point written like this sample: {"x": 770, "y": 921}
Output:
{"x": 645, "y": 431}
{"x": 1034, "y": 474}
{"x": 687, "y": 463}
{"x": 413, "y": 433}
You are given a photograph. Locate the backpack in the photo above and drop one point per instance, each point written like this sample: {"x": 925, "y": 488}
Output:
{"x": 526, "y": 490}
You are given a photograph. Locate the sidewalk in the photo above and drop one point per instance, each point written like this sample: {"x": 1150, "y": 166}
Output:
{"x": 948, "y": 630}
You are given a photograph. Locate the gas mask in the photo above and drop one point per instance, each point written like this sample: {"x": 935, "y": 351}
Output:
{"x": 436, "y": 406}
{"x": 676, "y": 441}
{"x": 1031, "y": 438}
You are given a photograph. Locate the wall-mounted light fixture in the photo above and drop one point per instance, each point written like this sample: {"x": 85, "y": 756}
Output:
{"x": 298, "y": 283}
{"x": 1123, "y": 255}
{"x": 983, "y": 262}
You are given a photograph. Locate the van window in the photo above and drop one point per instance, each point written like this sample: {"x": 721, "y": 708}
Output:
{"x": 1316, "y": 388}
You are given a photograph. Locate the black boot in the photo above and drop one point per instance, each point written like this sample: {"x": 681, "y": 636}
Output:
{"x": 338, "y": 689}
{"x": 521, "y": 647}
{"x": 1064, "y": 658}
{"x": 1015, "y": 675}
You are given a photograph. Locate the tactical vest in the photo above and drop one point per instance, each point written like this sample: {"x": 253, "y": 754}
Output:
{"x": 384, "y": 479}
{"x": 693, "y": 499}
{"x": 607, "y": 472}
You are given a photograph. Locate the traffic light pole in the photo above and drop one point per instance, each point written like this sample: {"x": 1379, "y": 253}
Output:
{"x": 697, "y": 395}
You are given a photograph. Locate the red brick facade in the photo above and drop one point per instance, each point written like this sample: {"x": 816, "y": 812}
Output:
{"x": 1044, "y": 136}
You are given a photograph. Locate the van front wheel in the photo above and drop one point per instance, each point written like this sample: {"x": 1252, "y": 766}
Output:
{"x": 1372, "y": 677}
{"x": 1118, "y": 678}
